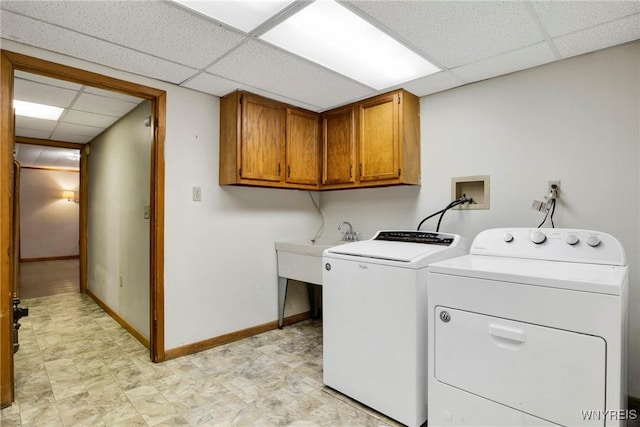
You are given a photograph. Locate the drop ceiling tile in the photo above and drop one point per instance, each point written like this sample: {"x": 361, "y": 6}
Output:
{"x": 89, "y": 119}
{"x": 220, "y": 86}
{"x": 47, "y": 80}
{"x": 40, "y": 156}
{"x": 28, "y": 154}
{"x": 112, "y": 94}
{"x": 24, "y": 153}
{"x": 433, "y": 83}
{"x": 102, "y": 105}
{"x": 454, "y": 33}
{"x": 286, "y": 100}
{"x": 35, "y": 124}
{"x": 44, "y": 156}
{"x": 264, "y": 67}
{"x": 563, "y": 17}
{"x": 32, "y": 133}
{"x": 521, "y": 59}
{"x": 25, "y": 90}
{"x": 158, "y": 28}
{"x": 39, "y": 34}
{"x": 71, "y": 137}
{"x": 70, "y": 128}
{"x": 616, "y": 32}
{"x": 214, "y": 85}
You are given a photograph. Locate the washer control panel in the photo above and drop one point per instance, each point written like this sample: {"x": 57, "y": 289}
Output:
{"x": 559, "y": 244}
{"x": 442, "y": 239}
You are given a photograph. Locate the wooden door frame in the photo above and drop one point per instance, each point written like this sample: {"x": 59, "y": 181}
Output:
{"x": 9, "y": 62}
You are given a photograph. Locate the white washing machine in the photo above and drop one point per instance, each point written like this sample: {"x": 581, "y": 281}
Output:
{"x": 375, "y": 316}
{"x": 530, "y": 328}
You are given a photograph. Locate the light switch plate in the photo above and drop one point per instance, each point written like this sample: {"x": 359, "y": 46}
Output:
{"x": 197, "y": 194}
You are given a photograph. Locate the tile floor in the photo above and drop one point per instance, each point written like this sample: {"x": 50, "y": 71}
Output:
{"x": 77, "y": 367}
{"x": 44, "y": 278}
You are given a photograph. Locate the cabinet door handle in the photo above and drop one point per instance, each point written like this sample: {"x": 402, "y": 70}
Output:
{"x": 360, "y": 169}
{"x": 278, "y": 168}
{"x": 350, "y": 171}
{"x": 289, "y": 171}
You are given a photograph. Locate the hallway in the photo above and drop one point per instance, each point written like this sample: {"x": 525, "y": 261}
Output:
{"x": 46, "y": 278}
{"x": 77, "y": 367}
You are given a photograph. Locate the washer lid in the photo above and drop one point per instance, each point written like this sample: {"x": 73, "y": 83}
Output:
{"x": 385, "y": 250}
{"x": 597, "y": 278}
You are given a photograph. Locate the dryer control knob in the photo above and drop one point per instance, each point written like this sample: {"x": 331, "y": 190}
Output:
{"x": 593, "y": 241}
{"x": 572, "y": 239}
{"x": 538, "y": 237}
{"x": 508, "y": 237}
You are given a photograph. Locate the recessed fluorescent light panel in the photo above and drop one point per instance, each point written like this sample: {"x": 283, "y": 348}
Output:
{"x": 37, "y": 111}
{"x": 241, "y": 14}
{"x": 327, "y": 33}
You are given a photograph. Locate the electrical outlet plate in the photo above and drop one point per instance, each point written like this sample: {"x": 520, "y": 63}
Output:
{"x": 557, "y": 184}
{"x": 197, "y": 194}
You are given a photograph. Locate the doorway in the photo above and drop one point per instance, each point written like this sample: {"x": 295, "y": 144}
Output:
{"x": 48, "y": 202}
{"x": 11, "y": 62}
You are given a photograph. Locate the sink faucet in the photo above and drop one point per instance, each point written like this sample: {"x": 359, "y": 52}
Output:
{"x": 350, "y": 235}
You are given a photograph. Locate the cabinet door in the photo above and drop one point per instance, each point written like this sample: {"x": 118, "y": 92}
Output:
{"x": 302, "y": 147}
{"x": 261, "y": 143}
{"x": 338, "y": 133}
{"x": 379, "y": 138}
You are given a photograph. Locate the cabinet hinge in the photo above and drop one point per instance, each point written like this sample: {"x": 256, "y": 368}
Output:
{"x": 360, "y": 169}
{"x": 399, "y": 171}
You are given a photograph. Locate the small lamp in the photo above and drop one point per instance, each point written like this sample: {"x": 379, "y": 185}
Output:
{"x": 69, "y": 195}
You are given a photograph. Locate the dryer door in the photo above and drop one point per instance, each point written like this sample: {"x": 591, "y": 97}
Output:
{"x": 545, "y": 372}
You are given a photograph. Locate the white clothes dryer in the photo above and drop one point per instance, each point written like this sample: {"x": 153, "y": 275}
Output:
{"x": 529, "y": 328}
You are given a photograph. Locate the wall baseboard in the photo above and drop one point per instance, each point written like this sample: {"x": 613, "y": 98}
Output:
{"x": 50, "y": 258}
{"x": 133, "y": 331}
{"x": 233, "y": 336}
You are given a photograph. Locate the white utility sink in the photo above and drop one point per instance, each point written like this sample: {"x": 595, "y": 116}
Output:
{"x": 302, "y": 260}
{"x": 299, "y": 260}
{"x": 306, "y": 247}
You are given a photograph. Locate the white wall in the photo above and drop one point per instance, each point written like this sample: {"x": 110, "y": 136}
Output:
{"x": 576, "y": 121}
{"x": 49, "y": 224}
{"x": 118, "y": 234}
{"x": 220, "y": 273}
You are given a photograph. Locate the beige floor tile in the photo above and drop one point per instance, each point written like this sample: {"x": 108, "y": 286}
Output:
{"x": 78, "y": 367}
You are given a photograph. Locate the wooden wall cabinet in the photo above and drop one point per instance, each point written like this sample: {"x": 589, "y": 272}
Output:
{"x": 266, "y": 143}
{"x": 302, "y": 146}
{"x": 338, "y": 146}
{"x": 389, "y": 139}
{"x": 375, "y": 142}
